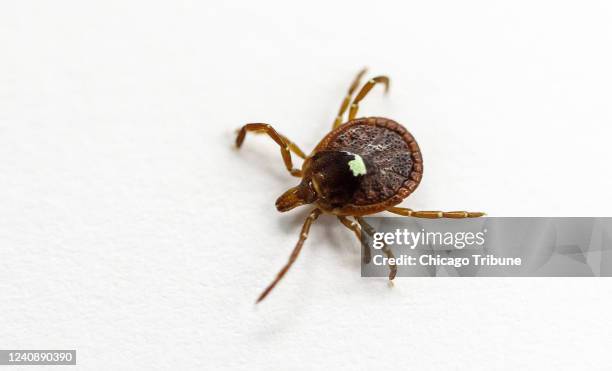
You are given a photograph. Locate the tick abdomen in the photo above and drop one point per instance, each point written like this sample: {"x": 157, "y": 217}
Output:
{"x": 393, "y": 164}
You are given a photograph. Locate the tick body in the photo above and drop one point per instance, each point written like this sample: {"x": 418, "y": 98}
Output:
{"x": 388, "y": 163}
{"x": 361, "y": 167}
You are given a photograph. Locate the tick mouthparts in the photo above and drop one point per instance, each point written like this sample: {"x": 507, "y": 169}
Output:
{"x": 289, "y": 200}
{"x": 296, "y": 196}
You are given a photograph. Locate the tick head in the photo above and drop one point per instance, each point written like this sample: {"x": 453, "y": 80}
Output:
{"x": 329, "y": 176}
{"x": 299, "y": 195}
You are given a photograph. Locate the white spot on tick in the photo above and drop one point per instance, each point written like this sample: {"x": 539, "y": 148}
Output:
{"x": 357, "y": 166}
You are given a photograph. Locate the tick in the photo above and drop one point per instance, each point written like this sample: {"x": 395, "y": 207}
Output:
{"x": 362, "y": 166}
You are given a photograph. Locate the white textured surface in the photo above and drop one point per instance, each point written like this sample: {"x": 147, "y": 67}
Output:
{"x": 132, "y": 231}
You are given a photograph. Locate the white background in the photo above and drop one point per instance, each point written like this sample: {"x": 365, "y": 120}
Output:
{"x": 132, "y": 230}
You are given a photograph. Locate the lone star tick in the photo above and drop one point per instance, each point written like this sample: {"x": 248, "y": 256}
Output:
{"x": 361, "y": 167}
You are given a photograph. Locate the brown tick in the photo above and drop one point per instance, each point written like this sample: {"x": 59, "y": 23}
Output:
{"x": 361, "y": 167}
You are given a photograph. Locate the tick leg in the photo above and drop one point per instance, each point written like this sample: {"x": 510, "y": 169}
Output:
{"x": 292, "y": 146}
{"x": 434, "y": 214}
{"x": 387, "y": 251}
{"x": 347, "y": 99}
{"x": 364, "y": 91}
{"x": 314, "y": 214}
{"x": 285, "y": 144}
{"x": 353, "y": 226}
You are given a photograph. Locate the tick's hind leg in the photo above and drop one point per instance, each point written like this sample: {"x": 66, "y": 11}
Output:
{"x": 353, "y": 226}
{"x": 434, "y": 214}
{"x": 347, "y": 99}
{"x": 314, "y": 214}
{"x": 285, "y": 144}
{"x": 364, "y": 91}
{"x": 386, "y": 250}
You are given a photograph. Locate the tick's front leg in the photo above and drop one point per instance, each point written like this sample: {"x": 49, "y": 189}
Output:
{"x": 285, "y": 144}
{"x": 314, "y": 214}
